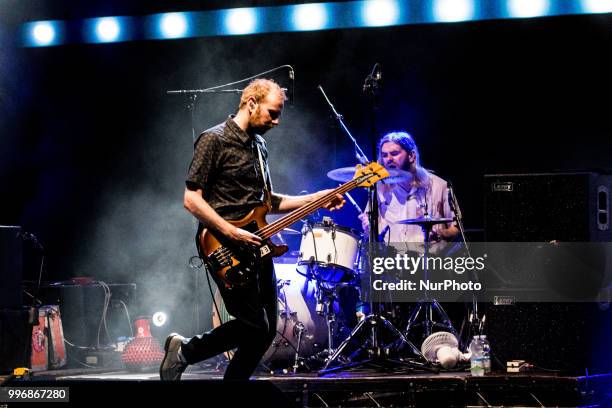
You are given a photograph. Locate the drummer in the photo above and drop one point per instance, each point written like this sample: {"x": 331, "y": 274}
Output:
{"x": 417, "y": 193}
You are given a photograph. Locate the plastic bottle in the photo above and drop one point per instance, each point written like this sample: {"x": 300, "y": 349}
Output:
{"x": 486, "y": 354}
{"x": 477, "y": 359}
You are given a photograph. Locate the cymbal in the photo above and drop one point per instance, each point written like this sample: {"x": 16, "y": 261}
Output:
{"x": 344, "y": 174}
{"x": 425, "y": 221}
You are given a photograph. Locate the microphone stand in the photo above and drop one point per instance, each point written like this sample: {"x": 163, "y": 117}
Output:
{"x": 475, "y": 323}
{"x": 359, "y": 154}
{"x": 374, "y": 322}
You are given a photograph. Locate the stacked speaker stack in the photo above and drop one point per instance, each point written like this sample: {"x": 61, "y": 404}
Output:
{"x": 566, "y": 207}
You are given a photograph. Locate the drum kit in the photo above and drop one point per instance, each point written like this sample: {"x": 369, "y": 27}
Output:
{"x": 315, "y": 288}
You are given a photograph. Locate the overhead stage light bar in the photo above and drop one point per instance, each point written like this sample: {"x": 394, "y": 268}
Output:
{"x": 299, "y": 17}
{"x": 43, "y": 33}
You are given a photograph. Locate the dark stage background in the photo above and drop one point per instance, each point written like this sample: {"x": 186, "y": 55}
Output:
{"x": 94, "y": 153}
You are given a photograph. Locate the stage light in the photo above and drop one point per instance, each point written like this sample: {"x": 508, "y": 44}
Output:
{"x": 173, "y": 25}
{"x": 159, "y": 319}
{"x": 528, "y": 8}
{"x": 597, "y": 6}
{"x": 309, "y": 17}
{"x": 43, "y": 33}
{"x": 107, "y": 29}
{"x": 376, "y": 13}
{"x": 240, "y": 21}
{"x": 453, "y": 10}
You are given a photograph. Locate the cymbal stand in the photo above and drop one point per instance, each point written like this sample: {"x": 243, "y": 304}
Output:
{"x": 475, "y": 321}
{"x": 428, "y": 306}
{"x": 374, "y": 323}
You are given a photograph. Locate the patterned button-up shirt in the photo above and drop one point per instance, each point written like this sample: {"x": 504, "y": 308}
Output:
{"x": 226, "y": 167}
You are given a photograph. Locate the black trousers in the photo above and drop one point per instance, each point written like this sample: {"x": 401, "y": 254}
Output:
{"x": 251, "y": 333}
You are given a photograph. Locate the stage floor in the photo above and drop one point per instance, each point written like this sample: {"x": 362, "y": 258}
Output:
{"x": 354, "y": 388}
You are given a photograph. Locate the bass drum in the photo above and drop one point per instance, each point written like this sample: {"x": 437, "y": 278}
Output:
{"x": 297, "y": 318}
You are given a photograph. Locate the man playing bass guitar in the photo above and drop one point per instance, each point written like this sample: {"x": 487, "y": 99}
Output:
{"x": 228, "y": 180}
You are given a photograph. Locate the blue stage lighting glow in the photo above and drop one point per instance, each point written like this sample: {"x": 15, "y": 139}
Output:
{"x": 42, "y": 33}
{"x": 377, "y": 13}
{"x": 528, "y": 8}
{"x": 453, "y": 10}
{"x": 240, "y": 21}
{"x": 296, "y": 17}
{"x": 108, "y": 29}
{"x": 173, "y": 25}
{"x": 597, "y": 6}
{"x": 308, "y": 17}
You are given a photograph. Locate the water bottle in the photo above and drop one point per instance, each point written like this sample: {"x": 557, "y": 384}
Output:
{"x": 486, "y": 354}
{"x": 477, "y": 358}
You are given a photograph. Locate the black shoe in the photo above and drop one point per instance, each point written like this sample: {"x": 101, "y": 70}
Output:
{"x": 171, "y": 367}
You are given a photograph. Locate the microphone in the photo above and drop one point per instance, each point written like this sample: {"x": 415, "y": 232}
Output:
{"x": 28, "y": 236}
{"x": 376, "y": 72}
{"x": 451, "y": 202}
{"x": 373, "y": 81}
{"x": 292, "y": 78}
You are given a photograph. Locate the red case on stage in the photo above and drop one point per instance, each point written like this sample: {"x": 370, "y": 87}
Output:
{"x": 48, "y": 348}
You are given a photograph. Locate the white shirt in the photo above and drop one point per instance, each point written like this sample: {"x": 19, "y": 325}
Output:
{"x": 400, "y": 201}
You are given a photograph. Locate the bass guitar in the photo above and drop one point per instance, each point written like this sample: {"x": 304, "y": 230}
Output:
{"x": 234, "y": 265}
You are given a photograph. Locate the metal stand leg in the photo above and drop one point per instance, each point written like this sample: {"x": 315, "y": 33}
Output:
{"x": 377, "y": 352}
{"x": 428, "y": 307}
{"x": 299, "y": 327}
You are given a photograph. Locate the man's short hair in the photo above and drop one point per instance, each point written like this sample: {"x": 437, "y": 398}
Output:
{"x": 258, "y": 89}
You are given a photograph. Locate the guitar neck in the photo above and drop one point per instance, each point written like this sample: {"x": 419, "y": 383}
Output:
{"x": 297, "y": 214}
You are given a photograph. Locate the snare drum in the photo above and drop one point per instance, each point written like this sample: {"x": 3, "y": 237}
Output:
{"x": 329, "y": 252}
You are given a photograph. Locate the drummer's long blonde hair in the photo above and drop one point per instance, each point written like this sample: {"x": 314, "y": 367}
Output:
{"x": 422, "y": 177}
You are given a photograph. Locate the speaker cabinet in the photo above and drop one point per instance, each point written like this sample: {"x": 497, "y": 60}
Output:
{"x": 15, "y": 339}
{"x": 569, "y": 337}
{"x": 569, "y": 207}
{"x": 11, "y": 265}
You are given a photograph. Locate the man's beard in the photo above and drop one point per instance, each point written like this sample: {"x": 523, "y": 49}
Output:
{"x": 259, "y": 129}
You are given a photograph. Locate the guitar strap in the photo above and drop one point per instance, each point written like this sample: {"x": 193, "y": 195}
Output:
{"x": 264, "y": 173}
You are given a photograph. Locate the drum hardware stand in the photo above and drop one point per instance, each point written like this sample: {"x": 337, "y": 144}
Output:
{"x": 325, "y": 305}
{"x": 428, "y": 305}
{"x": 475, "y": 321}
{"x": 300, "y": 329}
{"x": 377, "y": 355}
